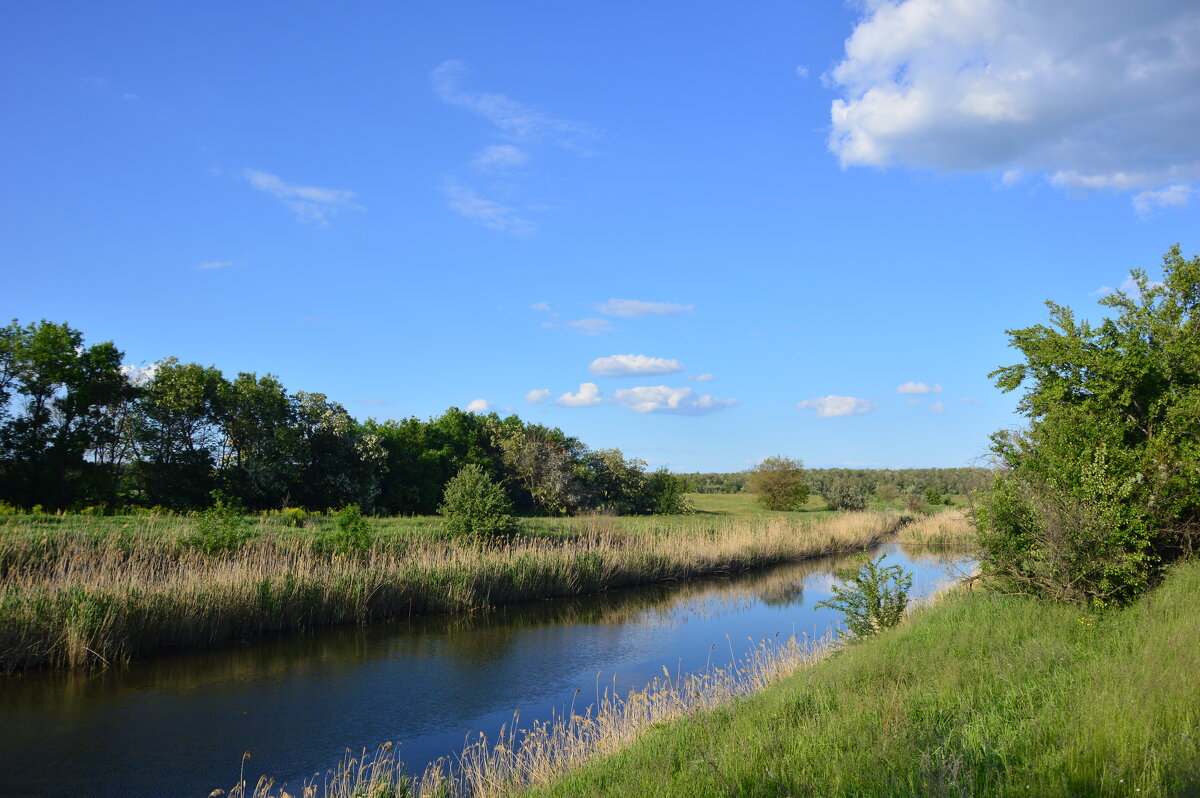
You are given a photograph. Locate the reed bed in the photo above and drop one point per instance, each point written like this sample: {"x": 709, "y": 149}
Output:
{"x": 523, "y": 758}
{"x": 948, "y": 528}
{"x": 96, "y": 596}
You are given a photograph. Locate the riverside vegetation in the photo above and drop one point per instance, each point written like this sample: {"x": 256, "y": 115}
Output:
{"x": 90, "y": 590}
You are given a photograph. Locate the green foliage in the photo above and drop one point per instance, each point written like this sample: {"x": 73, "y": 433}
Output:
{"x": 475, "y": 506}
{"x": 873, "y": 598}
{"x": 221, "y": 528}
{"x": 1103, "y": 488}
{"x": 293, "y": 516}
{"x": 844, "y": 494}
{"x": 779, "y": 483}
{"x": 666, "y": 494}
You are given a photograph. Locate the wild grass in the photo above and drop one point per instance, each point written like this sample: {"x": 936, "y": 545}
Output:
{"x": 950, "y": 527}
{"x": 979, "y": 695}
{"x": 94, "y": 591}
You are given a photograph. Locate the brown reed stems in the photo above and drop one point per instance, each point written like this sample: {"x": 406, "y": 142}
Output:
{"x": 95, "y": 599}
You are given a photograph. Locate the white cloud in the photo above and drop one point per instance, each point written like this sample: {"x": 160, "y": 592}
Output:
{"x": 499, "y": 157}
{"x": 918, "y": 388}
{"x": 512, "y": 118}
{"x": 702, "y": 378}
{"x": 663, "y": 399}
{"x": 214, "y": 264}
{"x": 588, "y": 395}
{"x": 1147, "y": 202}
{"x": 1103, "y": 290}
{"x": 590, "y": 326}
{"x": 632, "y": 366}
{"x": 969, "y": 401}
{"x": 140, "y": 375}
{"x": 479, "y": 406}
{"x": 802, "y": 72}
{"x": 1093, "y": 95}
{"x": 537, "y": 396}
{"x": 542, "y": 306}
{"x": 837, "y": 406}
{"x": 937, "y": 407}
{"x": 634, "y": 308}
{"x": 311, "y": 204}
{"x": 491, "y": 214}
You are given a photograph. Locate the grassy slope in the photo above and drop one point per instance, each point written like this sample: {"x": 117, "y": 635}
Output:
{"x": 979, "y": 695}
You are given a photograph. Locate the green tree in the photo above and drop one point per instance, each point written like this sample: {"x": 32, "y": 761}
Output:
{"x": 779, "y": 483}
{"x": 475, "y": 506}
{"x": 1103, "y": 488}
{"x": 844, "y": 494}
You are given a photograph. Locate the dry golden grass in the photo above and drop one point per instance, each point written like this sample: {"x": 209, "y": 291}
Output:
{"x": 949, "y": 528}
{"x": 84, "y": 599}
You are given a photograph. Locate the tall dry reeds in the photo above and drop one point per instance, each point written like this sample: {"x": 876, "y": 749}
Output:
{"x": 89, "y": 599}
{"x": 949, "y": 528}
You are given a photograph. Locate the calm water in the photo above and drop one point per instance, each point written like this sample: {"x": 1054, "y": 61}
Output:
{"x": 178, "y": 725}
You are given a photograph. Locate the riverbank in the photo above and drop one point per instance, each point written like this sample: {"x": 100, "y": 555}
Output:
{"x": 977, "y": 695}
{"x": 104, "y": 590}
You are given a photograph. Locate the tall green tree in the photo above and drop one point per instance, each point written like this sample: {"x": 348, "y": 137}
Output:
{"x": 1103, "y": 487}
{"x": 779, "y": 483}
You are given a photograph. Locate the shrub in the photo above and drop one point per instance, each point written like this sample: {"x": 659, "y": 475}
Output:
{"x": 779, "y": 483}
{"x": 844, "y": 494}
{"x": 475, "y": 506}
{"x": 873, "y": 598}
{"x": 351, "y": 532}
{"x": 293, "y": 516}
{"x": 665, "y": 493}
{"x": 220, "y": 528}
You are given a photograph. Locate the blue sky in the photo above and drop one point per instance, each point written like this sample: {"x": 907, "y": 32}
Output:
{"x": 703, "y": 233}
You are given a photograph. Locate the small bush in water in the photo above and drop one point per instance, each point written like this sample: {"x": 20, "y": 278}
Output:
{"x": 873, "y": 598}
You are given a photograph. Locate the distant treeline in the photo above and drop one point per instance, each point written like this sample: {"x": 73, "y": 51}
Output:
{"x": 870, "y": 480}
{"x": 78, "y": 429}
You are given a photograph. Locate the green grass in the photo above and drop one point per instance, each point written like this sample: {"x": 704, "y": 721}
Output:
{"x": 979, "y": 695}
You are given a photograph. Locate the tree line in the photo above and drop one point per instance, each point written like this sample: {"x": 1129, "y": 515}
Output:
{"x": 79, "y": 429}
{"x": 874, "y": 481}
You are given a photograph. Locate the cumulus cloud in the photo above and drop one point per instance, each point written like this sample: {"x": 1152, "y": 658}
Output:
{"x": 537, "y": 396}
{"x": 702, "y": 378}
{"x": 590, "y": 326}
{"x": 633, "y": 366}
{"x": 1092, "y": 95}
{"x": 214, "y": 264}
{"x": 489, "y": 213}
{"x": 635, "y": 308}
{"x": 837, "y": 406}
{"x": 479, "y": 406}
{"x": 499, "y": 157}
{"x": 139, "y": 375}
{"x": 1145, "y": 203}
{"x": 512, "y": 118}
{"x": 918, "y": 388}
{"x": 677, "y": 401}
{"x": 588, "y": 395}
{"x": 311, "y": 204}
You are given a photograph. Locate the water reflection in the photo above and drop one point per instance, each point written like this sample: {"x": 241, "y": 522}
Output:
{"x": 178, "y": 724}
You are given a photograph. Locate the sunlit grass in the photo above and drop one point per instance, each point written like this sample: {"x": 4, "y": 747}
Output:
{"x": 950, "y": 527}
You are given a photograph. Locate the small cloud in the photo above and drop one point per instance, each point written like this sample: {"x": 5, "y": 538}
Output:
{"x": 837, "y": 406}
{"x": 374, "y": 402}
{"x": 479, "y": 406}
{"x": 918, "y": 388}
{"x": 489, "y": 213}
{"x": 542, "y": 306}
{"x": 100, "y": 83}
{"x": 937, "y": 407}
{"x": 702, "y": 378}
{"x": 311, "y": 204}
{"x": 128, "y": 97}
{"x": 1147, "y": 202}
{"x": 635, "y": 308}
{"x": 633, "y": 366}
{"x": 214, "y": 264}
{"x": 969, "y": 401}
{"x": 1011, "y": 177}
{"x": 590, "y": 326}
{"x": 537, "y": 396}
{"x": 514, "y": 119}
{"x": 802, "y": 72}
{"x": 914, "y": 402}
{"x": 676, "y": 401}
{"x": 588, "y": 395}
{"x": 1103, "y": 290}
{"x": 499, "y": 157}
